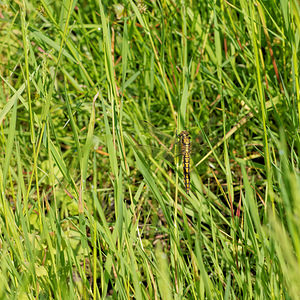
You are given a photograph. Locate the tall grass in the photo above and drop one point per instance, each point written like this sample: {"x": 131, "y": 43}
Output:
{"x": 86, "y": 213}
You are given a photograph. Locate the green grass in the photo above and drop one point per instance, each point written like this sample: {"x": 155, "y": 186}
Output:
{"x": 85, "y": 213}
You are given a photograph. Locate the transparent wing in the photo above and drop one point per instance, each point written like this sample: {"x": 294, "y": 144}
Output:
{"x": 162, "y": 145}
{"x": 162, "y": 150}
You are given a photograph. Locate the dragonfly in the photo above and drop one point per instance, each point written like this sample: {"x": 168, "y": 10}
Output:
{"x": 158, "y": 144}
{"x": 185, "y": 141}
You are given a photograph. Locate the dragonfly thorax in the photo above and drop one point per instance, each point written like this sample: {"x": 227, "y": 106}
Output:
{"x": 185, "y": 138}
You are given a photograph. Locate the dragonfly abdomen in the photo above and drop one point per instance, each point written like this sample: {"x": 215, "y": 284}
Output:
{"x": 185, "y": 141}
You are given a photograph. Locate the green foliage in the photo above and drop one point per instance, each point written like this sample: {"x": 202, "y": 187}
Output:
{"x": 92, "y": 96}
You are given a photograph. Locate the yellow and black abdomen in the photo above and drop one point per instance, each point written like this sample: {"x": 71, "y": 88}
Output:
{"x": 185, "y": 141}
{"x": 186, "y": 172}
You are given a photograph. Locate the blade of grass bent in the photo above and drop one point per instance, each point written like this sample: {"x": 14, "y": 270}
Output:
{"x": 9, "y": 143}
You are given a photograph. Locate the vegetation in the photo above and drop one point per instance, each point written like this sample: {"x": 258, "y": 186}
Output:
{"x": 88, "y": 212}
